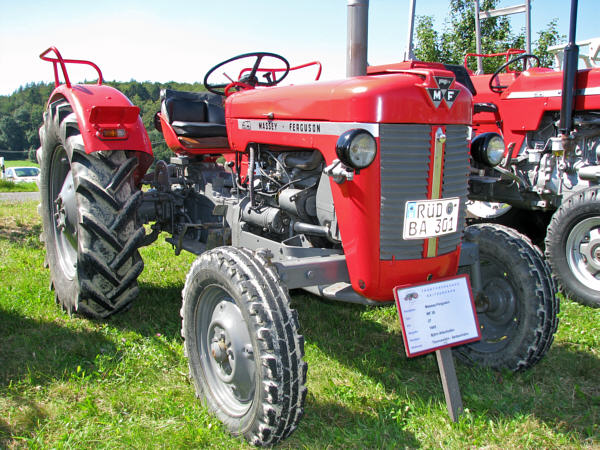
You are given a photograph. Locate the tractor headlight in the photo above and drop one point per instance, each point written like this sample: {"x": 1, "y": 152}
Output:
{"x": 488, "y": 149}
{"x": 356, "y": 148}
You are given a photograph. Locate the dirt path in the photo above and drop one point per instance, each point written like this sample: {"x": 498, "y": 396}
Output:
{"x": 19, "y": 196}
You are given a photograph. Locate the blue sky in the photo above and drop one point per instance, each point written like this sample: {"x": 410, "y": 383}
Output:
{"x": 180, "y": 40}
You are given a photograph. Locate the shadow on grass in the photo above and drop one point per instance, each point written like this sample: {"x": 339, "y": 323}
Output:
{"x": 28, "y": 236}
{"x": 30, "y": 415}
{"x": 5, "y": 433}
{"x": 561, "y": 390}
{"x": 155, "y": 310}
{"x": 341, "y": 331}
{"x": 40, "y": 351}
{"x": 330, "y": 425}
{"x": 34, "y": 353}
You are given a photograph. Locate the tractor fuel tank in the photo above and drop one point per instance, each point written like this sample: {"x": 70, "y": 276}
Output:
{"x": 395, "y": 97}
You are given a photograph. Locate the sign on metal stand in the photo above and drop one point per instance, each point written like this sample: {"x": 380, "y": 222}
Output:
{"x": 437, "y": 316}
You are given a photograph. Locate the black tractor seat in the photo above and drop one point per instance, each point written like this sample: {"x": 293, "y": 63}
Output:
{"x": 194, "y": 114}
{"x": 462, "y": 76}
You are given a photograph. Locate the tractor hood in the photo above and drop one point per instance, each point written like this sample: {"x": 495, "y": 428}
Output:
{"x": 415, "y": 96}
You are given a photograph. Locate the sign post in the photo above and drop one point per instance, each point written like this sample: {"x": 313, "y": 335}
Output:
{"x": 449, "y": 383}
{"x": 436, "y": 316}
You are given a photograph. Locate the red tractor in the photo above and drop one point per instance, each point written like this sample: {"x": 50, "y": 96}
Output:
{"x": 536, "y": 136}
{"x": 345, "y": 188}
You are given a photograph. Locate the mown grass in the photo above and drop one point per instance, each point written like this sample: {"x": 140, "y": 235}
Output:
{"x": 70, "y": 382}
{"x": 21, "y": 163}
{"x": 11, "y": 186}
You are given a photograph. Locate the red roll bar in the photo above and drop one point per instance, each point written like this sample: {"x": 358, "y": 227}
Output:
{"x": 272, "y": 71}
{"x": 507, "y": 53}
{"x": 60, "y": 60}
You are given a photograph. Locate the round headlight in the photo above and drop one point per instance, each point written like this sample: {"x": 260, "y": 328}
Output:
{"x": 488, "y": 149}
{"x": 356, "y": 148}
{"x": 495, "y": 150}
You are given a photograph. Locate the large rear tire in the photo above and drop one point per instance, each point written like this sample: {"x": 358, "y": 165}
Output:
{"x": 573, "y": 246}
{"x": 242, "y": 343}
{"x": 517, "y": 307}
{"x": 89, "y": 213}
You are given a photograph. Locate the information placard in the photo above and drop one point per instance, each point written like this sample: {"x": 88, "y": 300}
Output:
{"x": 437, "y": 315}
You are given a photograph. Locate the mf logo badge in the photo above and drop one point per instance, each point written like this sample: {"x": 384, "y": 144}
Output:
{"x": 443, "y": 92}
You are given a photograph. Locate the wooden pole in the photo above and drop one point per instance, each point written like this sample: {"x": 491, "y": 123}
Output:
{"x": 450, "y": 383}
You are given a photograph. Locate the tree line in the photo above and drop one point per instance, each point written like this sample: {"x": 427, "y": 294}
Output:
{"x": 456, "y": 38}
{"x": 21, "y": 114}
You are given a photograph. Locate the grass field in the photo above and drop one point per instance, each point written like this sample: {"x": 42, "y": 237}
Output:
{"x": 9, "y": 186}
{"x": 67, "y": 382}
{"x": 21, "y": 163}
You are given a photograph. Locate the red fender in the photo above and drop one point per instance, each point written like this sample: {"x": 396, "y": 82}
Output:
{"x": 100, "y": 107}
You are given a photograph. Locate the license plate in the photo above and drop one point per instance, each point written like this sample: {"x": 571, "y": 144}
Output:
{"x": 425, "y": 219}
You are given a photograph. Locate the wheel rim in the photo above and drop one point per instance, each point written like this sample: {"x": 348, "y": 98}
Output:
{"x": 583, "y": 252}
{"x": 486, "y": 210}
{"x": 63, "y": 204}
{"x": 496, "y": 309}
{"x": 226, "y": 351}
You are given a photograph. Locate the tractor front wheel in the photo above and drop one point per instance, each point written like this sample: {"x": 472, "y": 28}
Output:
{"x": 573, "y": 246}
{"x": 89, "y": 214}
{"x": 517, "y": 306}
{"x": 242, "y": 343}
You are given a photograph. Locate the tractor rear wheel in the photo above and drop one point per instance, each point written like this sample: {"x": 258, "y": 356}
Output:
{"x": 517, "y": 307}
{"x": 573, "y": 246}
{"x": 89, "y": 214}
{"x": 242, "y": 343}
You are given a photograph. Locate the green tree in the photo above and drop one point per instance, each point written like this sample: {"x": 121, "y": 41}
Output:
{"x": 428, "y": 43}
{"x": 547, "y": 38}
{"x": 457, "y": 38}
{"x": 21, "y": 113}
{"x": 12, "y": 136}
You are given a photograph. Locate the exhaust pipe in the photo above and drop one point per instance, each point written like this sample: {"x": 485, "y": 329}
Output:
{"x": 571, "y": 60}
{"x": 356, "y": 53}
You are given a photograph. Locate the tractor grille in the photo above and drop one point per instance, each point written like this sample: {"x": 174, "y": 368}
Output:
{"x": 404, "y": 159}
{"x": 405, "y": 163}
{"x": 456, "y": 175}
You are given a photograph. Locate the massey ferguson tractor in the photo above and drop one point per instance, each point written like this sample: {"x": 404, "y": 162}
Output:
{"x": 536, "y": 149}
{"x": 344, "y": 188}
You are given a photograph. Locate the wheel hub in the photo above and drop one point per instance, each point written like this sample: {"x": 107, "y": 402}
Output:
{"x": 497, "y": 309}
{"x": 231, "y": 351}
{"x": 63, "y": 204}
{"x": 591, "y": 250}
{"x": 583, "y": 252}
{"x": 66, "y": 207}
{"x": 498, "y": 301}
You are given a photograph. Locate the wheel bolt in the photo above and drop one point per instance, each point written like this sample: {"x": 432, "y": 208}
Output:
{"x": 482, "y": 303}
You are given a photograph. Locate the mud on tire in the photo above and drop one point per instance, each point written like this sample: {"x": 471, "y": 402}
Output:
{"x": 242, "y": 343}
{"x": 518, "y": 310}
{"x": 88, "y": 208}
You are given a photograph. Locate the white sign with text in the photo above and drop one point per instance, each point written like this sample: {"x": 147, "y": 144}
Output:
{"x": 437, "y": 315}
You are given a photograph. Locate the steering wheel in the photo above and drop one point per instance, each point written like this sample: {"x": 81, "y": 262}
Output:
{"x": 499, "y": 88}
{"x": 247, "y": 78}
